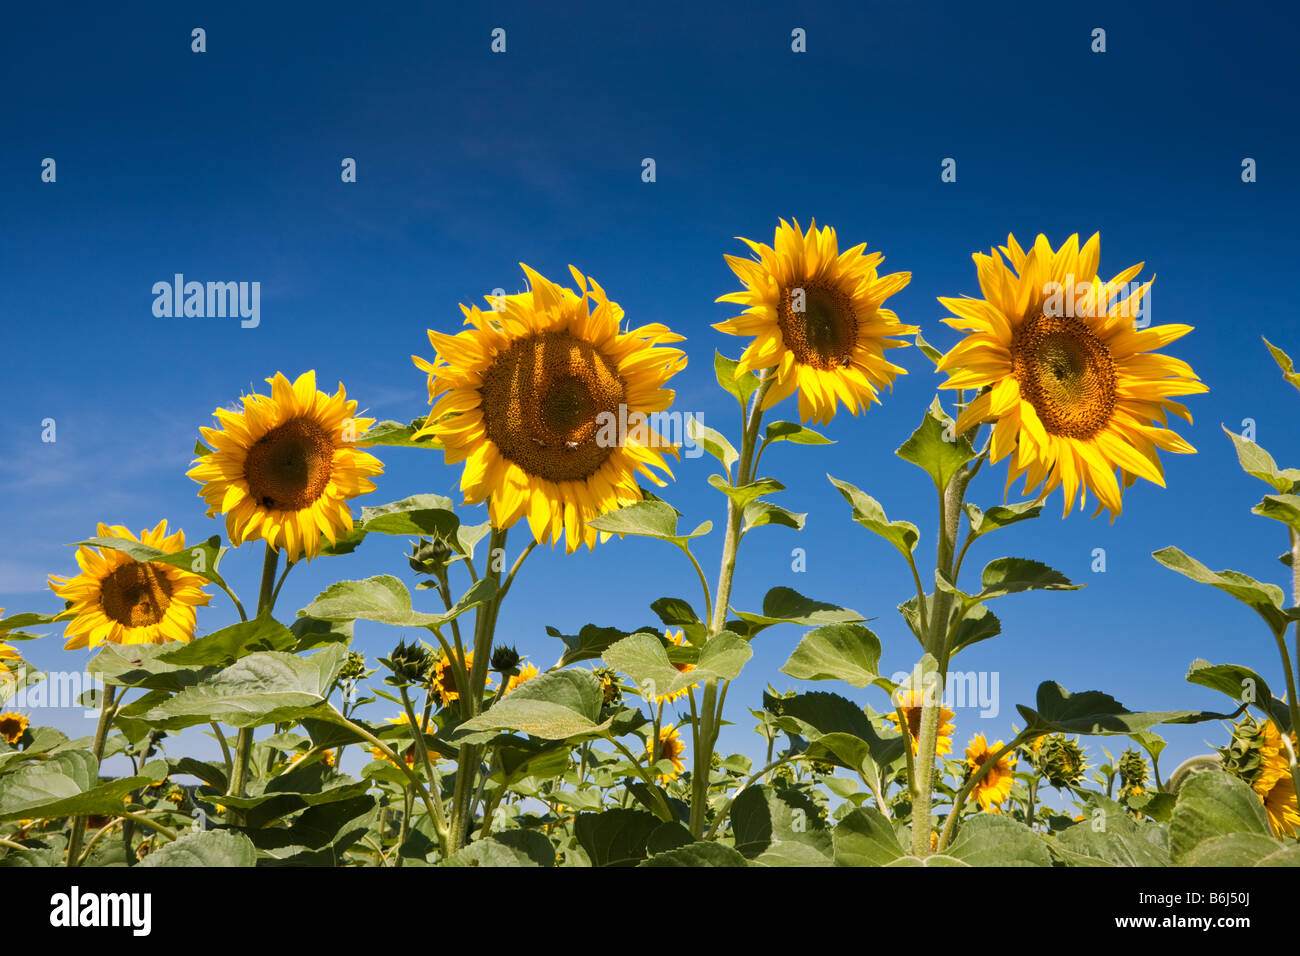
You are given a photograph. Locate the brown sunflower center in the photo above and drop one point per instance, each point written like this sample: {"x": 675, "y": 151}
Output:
{"x": 819, "y": 326}
{"x": 136, "y": 594}
{"x": 913, "y": 715}
{"x": 290, "y": 466}
{"x": 1066, "y": 373}
{"x": 544, "y": 399}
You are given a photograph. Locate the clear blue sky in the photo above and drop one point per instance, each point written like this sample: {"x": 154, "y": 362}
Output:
{"x": 225, "y": 166}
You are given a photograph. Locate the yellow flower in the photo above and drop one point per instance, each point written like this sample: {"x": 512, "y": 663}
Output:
{"x": 818, "y": 319}
{"x": 118, "y": 600}
{"x": 547, "y": 402}
{"x": 911, "y": 707}
{"x": 10, "y": 660}
{"x": 1074, "y": 387}
{"x": 526, "y": 673}
{"x": 1274, "y": 784}
{"x": 444, "y": 678}
{"x": 412, "y": 755}
{"x": 671, "y": 748}
{"x": 996, "y": 785}
{"x": 679, "y": 639}
{"x": 283, "y": 469}
{"x": 12, "y": 726}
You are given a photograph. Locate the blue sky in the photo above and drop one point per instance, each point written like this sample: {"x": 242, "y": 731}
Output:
{"x": 225, "y": 166}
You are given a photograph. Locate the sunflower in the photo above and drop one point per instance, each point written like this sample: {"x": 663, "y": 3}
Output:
{"x": 818, "y": 320}
{"x": 10, "y": 659}
{"x": 119, "y": 600}
{"x": 671, "y": 748}
{"x": 526, "y": 673}
{"x": 284, "y": 468}
{"x": 1275, "y": 785}
{"x": 1074, "y": 387}
{"x": 996, "y": 785}
{"x": 911, "y": 707}
{"x": 412, "y": 752}
{"x": 547, "y": 403}
{"x": 12, "y": 726}
{"x": 444, "y": 677}
{"x": 679, "y": 639}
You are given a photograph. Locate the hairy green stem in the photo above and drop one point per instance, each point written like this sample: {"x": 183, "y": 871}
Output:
{"x": 107, "y": 711}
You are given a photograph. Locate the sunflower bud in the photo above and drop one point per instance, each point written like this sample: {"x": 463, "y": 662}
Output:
{"x": 409, "y": 663}
{"x": 1245, "y": 754}
{"x": 354, "y": 668}
{"x": 1132, "y": 773}
{"x": 1062, "y": 761}
{"x": 505, "y": 659}
{"x": 429, "y": 556}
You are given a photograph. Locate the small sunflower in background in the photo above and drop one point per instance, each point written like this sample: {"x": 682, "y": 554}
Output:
{"x": 284, "y": 468}
{"x": 12, "y": 726}
{"x": 1274, "y": 783}
{"x": 444, "y": 678}
{"x": 526, "y": 673}
{"x": 672, "y": 749}
{"x": 412, "y": 756}
{"x": 678, "y": 639}
{"x": 819, "y": 320}
{"x": 10, "y": 659}
{"x": 911, "y": 704}
{"x": 119, "y": 600}
{"x": 547, "y": 402}
{"x": 996, "y": 785}
{"x": 1074, "y": 388}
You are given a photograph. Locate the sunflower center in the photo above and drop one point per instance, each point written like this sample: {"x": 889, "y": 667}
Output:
{"x": 1066, "y": 373}
{"x": 543, "y": 402}
{"x": 289, "y": 467}
{"x": 819, "y": 326}
{"x": 136, "y": 595}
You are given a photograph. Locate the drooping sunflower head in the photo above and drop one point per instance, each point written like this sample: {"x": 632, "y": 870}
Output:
{"x": 819, "y": 320}
{"x": 284, "y": 468}
{"x": 548, "y": 403}
{"x": 119, "y": 600}
{"x": 995, "y": 787}
{"x": 911, "y": 703}
{"x": 1064, "y": 370}
{"x": 1273, "y": 781}
{"x": 671, "y": 748}
{"x": 12, "y": 727}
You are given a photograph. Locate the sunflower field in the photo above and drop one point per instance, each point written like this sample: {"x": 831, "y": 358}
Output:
{"x": 453, "y": 749}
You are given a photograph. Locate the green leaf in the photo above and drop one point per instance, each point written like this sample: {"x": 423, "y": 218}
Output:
{"x": 395, "y": 433}
{"x": 759, "y": 513}
{"x": 1092, "y": 712}
{"x": 207, "y": 848}
{"x": 1212, "y": 804}
{"x": 867, "y": 512}
{"x": 1117, "y": 839}
{"x": 1267, "y": 599}
{"x": 1283, "y": 508}
{"x": 588, "y": 644}
{"x": 1243, "y": 685}
{"x": 698, "y": 854}
{"x": 928, "y": 350}
{"x": 430, "y": 515}
{"x": 262, "y": 688}
{"x": 712, "y": 441}
{"x": 644, "y": 658}
{"x": 1013, "y": 575}
{"x": 508, "y": 848}
{"x": 1258, "y": 463}
{"x": 227, "y": 645}
{"x": 780, "y": 827}
{"x": 865, "y": 838}
{"x": 385, "y": 599}
{"x": 836, "y": 728}
{"x": 1285, "y": 364}
{"x": 201, "y": 559}
{"x": 139, "y": 665}
{"x": 615, "y": 837}
{"x": 557, "y": 705}
{"x": 988, "y": 840}
{"x": 650, "y": 518}
{"x": 999, "y": 516}
{"x": 741, "y": 388}
{"x": 310, "y": 633}
{"x": 743, "y": 495}
{"x": 977, "y": 624}
{"x": 847, "y": 652}
{"x": 935, "y": 449}
{"x": 63, "y": 784}
{"x": 1232, "y": 849}
{"x": 794, "y": 432}
{"x": 787, "y": 606}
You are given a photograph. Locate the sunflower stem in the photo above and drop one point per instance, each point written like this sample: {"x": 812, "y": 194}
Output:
{"x": 107, "y": 711}
{"x": 244, "y": 742}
